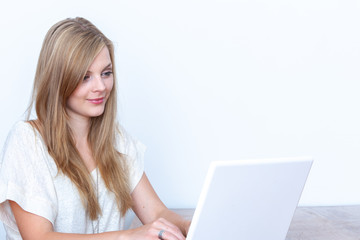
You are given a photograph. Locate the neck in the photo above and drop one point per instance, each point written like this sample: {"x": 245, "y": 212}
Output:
{"x": 80, "y": 128}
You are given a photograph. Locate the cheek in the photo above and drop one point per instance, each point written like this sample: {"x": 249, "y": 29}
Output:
{"x": 109, "y": 85}
{"x": 78, "y": 93}
{"x": 70, "y": 102}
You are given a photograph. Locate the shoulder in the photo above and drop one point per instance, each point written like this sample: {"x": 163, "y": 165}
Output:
{"x": 24, "y": 149}
{"x": 126, "y": 144}
{"x": 21, "y": 131}
{"x": 134, "y": 152}
{"x": 22, "y": 128}
{"x": 22, "y": 138}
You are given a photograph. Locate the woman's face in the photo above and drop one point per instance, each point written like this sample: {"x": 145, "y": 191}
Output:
{"x": 90, "y": 96}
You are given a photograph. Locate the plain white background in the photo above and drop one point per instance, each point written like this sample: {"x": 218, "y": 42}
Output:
{"x": 215, "y": 80}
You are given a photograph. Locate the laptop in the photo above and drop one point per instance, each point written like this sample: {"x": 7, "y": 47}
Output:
{"x": 249, "y": 199}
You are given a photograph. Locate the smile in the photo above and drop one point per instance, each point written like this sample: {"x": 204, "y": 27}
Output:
{"x": 96, "y": 100}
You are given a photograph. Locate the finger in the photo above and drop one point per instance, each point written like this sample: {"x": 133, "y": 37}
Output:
{"x": 170, "y": 229}
{"x": 161, "y": 234}
{"x": 168, "y": 235}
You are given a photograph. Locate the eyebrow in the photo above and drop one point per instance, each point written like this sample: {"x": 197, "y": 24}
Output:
{"x": 105, "y": 68}
{"x": 108, "y": 66}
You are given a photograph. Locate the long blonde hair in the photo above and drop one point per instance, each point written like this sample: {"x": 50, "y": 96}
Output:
{"x": 68, "y": 50}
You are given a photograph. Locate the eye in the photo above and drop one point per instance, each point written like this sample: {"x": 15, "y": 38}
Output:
{"x": 86, "y": 77}
{"x": 107, "y": 74}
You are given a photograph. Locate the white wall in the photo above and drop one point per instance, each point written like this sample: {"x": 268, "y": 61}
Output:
{"x": 216, "y": 79}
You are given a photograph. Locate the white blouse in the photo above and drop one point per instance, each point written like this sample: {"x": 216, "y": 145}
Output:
{"x": 29, "y": 176}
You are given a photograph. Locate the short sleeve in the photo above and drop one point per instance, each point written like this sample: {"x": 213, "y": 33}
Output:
{"x": 134, "y": 152}
{"x": 25, "y": 177}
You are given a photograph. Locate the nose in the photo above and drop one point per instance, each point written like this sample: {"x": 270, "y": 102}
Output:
{"x": 98, "y": 84}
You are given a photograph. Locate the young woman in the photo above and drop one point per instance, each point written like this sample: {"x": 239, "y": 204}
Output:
{"x": 73, "y": 173}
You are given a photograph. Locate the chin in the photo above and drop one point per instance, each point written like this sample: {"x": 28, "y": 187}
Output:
{"x": 97, "y": 113}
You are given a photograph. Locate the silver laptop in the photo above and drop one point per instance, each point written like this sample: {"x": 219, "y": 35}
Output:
{"x": 249, "y": 199}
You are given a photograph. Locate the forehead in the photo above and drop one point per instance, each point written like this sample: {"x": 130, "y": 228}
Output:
{"x": 101, "y": 61}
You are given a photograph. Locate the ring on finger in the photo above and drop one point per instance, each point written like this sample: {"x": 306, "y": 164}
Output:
{"x": 160, "y": 235}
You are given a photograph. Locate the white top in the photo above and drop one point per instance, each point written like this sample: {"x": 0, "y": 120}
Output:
{"x": 29, "y": 176}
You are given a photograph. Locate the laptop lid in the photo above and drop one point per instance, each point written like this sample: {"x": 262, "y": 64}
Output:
{"x": 249, "y": 199}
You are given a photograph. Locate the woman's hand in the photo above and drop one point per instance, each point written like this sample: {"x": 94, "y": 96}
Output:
{"x": 151, "y": 231}
{"x": 148, "y": 207}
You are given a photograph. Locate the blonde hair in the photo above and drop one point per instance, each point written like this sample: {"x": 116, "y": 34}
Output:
{"x": 68, "y": 50}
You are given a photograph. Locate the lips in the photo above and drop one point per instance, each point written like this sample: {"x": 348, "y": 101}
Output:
{"x": 96, "y": 100}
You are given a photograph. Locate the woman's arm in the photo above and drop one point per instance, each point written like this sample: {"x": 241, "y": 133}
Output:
{"x": 146, "y": 204}
{"x": 148, "y": 207}
{"x": 34, "y": 227}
